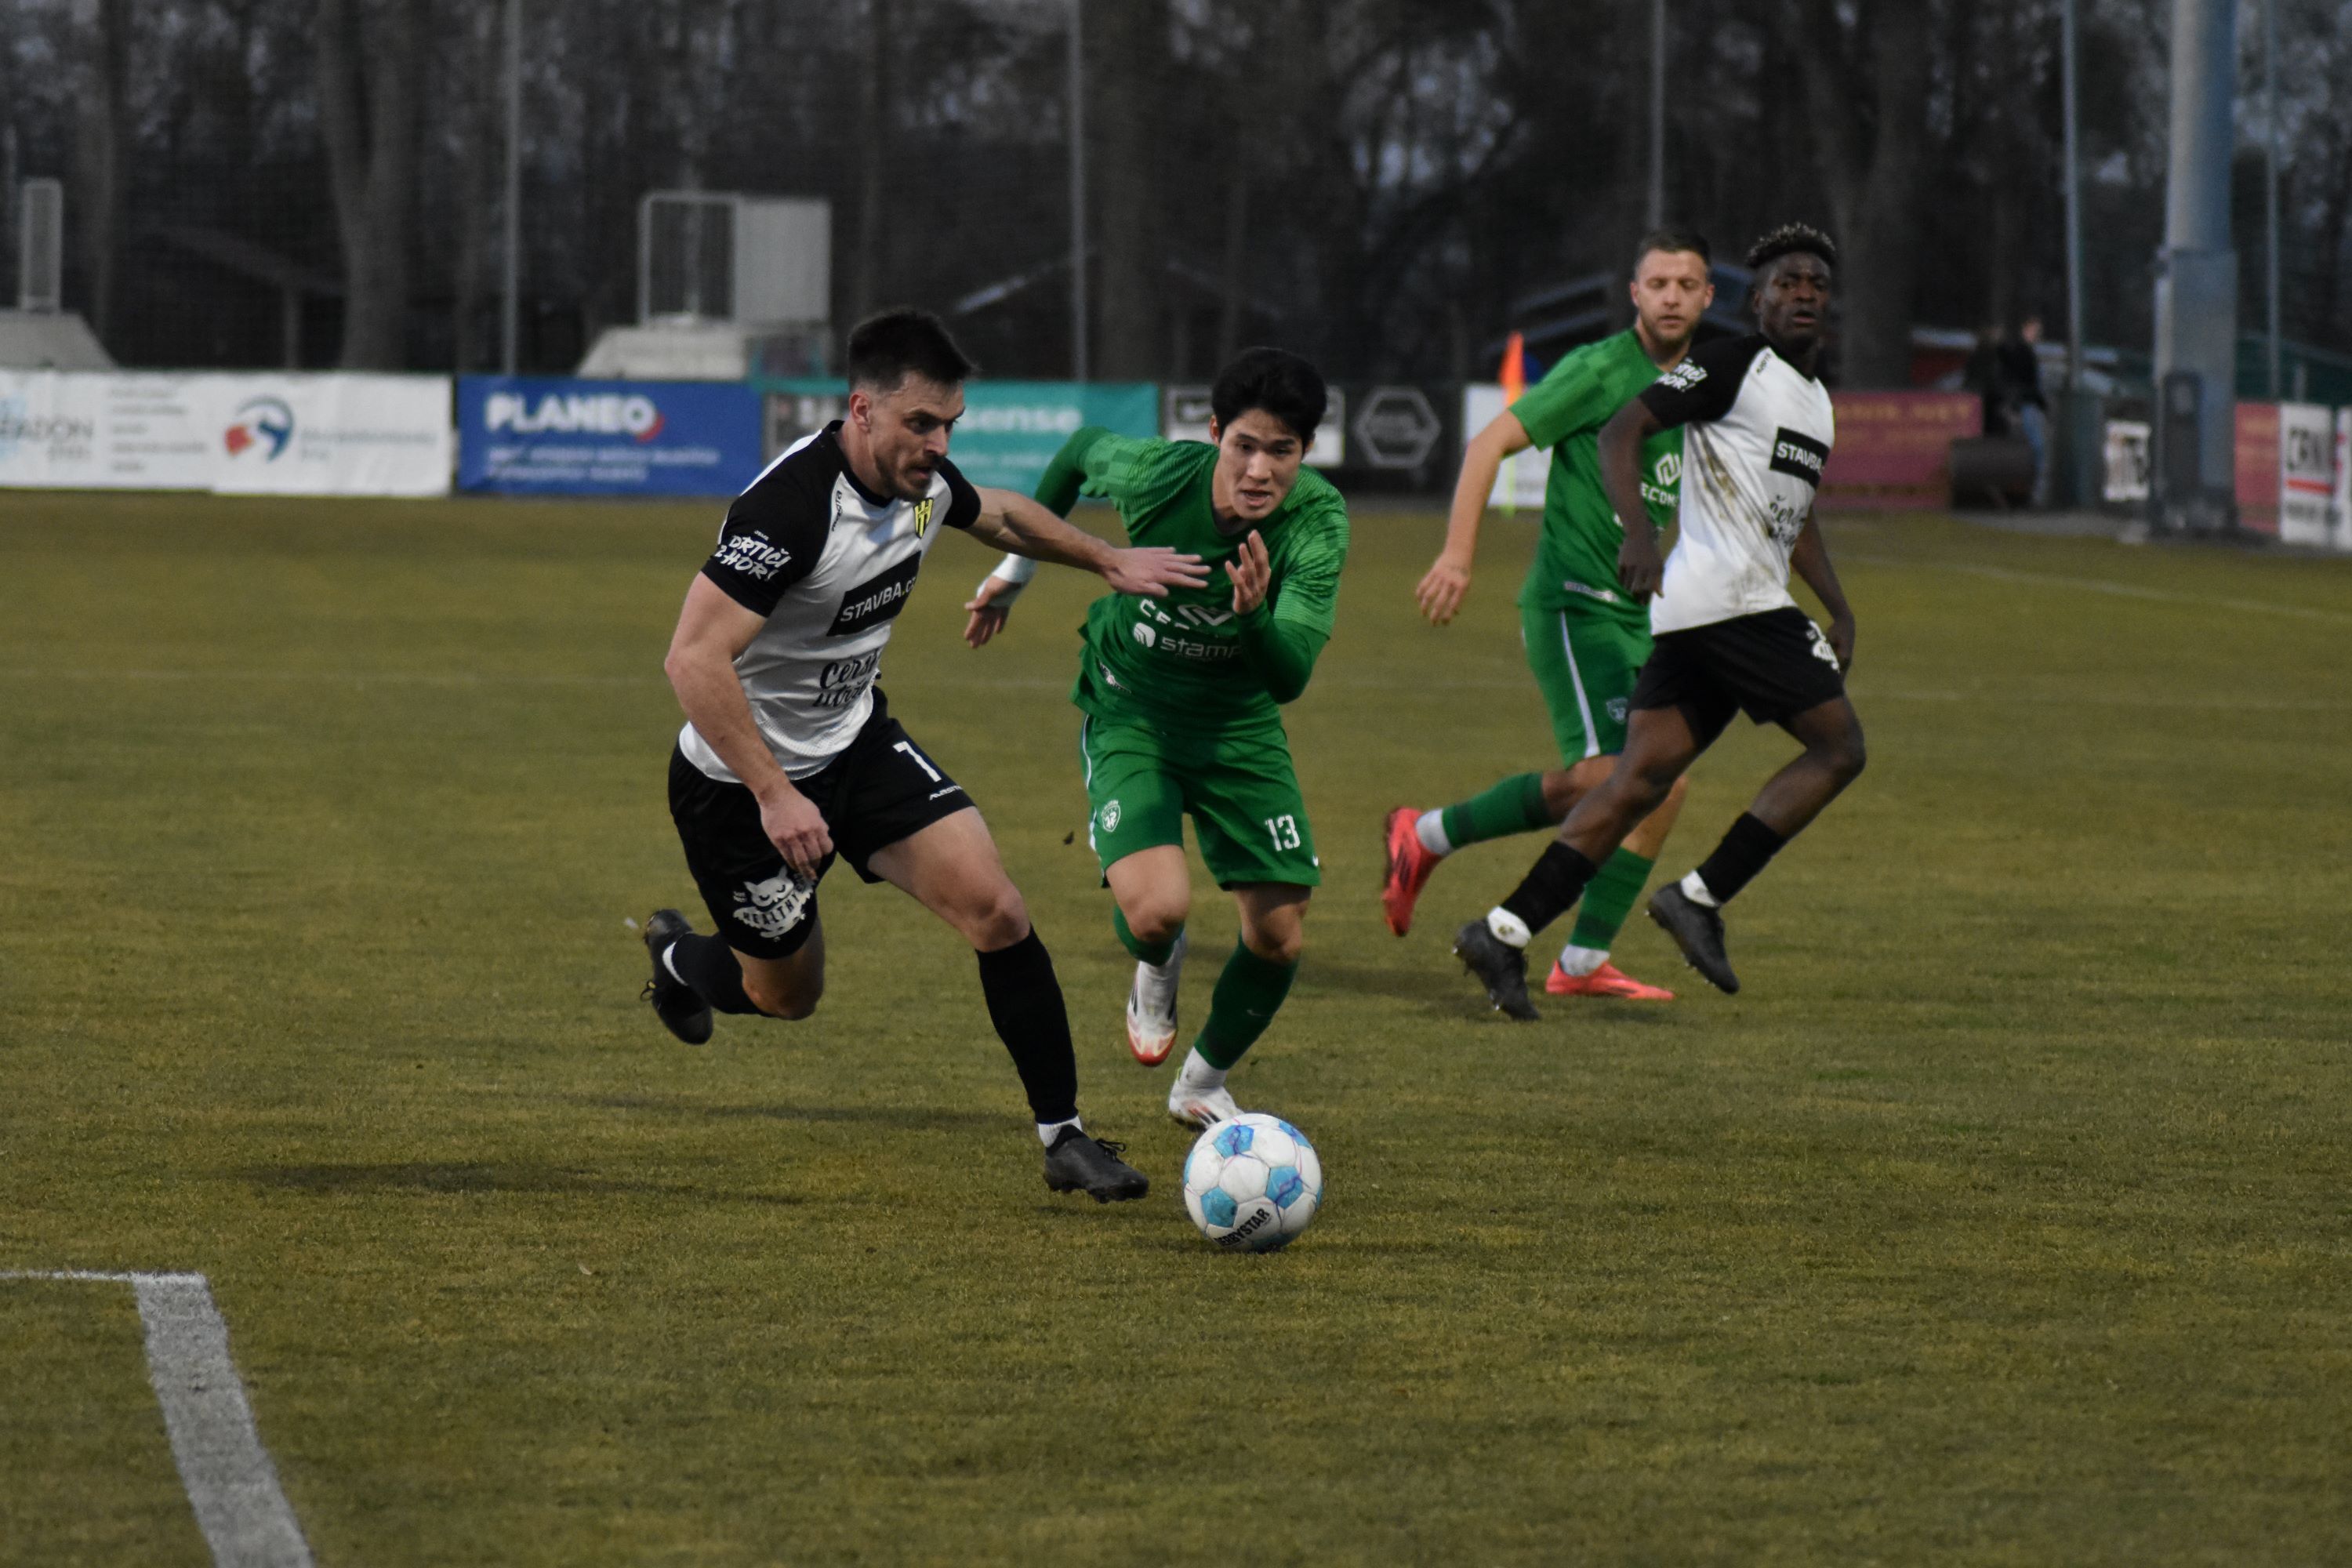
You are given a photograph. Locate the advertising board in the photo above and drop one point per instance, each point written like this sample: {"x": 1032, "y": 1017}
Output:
{"x": 332, "y": 433}
{"x": 2126, "y": 480}
{"x": 1184, "y": 417}
{"x": 1010, "y": 429}
{"x": 558, "y": 436}
{"x": 1894, "y": 449}
{"x": 1520, "y": 480}
{"x": 2306, "y": 472}
{"x": 2340, "y": 509}
{"x": 2258, "y": 466}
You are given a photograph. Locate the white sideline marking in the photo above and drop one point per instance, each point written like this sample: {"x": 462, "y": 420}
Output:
{"x": 2104, "y": 586}
{"x": 230, "y": 1482}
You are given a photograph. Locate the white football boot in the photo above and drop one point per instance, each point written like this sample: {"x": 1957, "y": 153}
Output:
{"x": 1199, "y": 1098}
{"x": 1152, "y": 1007}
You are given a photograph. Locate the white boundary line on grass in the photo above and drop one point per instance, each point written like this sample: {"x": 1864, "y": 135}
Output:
{"x": 230, "y": 1482}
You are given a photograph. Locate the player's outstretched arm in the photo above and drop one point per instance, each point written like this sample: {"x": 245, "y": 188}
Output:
{"x": 1058, "y": 490}
{"x": 1640, "y": 565}
{"x": 1447, "y": 580}
{"x": 1810, "y": 557}
{"x": 712, "y": 629}
{"x": 1013, "y": 522}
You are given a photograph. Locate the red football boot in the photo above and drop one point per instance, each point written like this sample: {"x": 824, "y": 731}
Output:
{"x": 1409, "y": 868}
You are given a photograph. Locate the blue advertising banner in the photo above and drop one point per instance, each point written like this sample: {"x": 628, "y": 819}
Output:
{"x": 1010, "y": 429}
{"x": 555, "y": 436}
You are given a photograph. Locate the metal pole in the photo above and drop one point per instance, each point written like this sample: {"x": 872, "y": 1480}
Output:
{"x": 2074, "y": 204}
{"x": 510, "y": 299}
{"x": 2197, "y": 283}
{"x": 1657, "y": 113}
{"x": 1077, "y": 197}
{"x": 2270, "y": 166}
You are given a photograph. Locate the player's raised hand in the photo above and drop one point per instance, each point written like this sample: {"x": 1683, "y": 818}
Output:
{"x": 797, "y": 827}
{"x": 1441, "y": 588}
{"x": 987, "y": 616}
{"x": 1152, "y": 570}
{"x": 1638, "y": 565}
{"x": 1251, "y": 571}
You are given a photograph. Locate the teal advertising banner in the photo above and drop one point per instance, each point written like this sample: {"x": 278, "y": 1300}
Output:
{"x": 1010, "y": 429}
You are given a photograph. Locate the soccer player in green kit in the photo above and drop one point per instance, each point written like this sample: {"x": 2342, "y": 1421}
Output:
{"x": 1181, "y": 698}
{"x": 1586, "y": 637}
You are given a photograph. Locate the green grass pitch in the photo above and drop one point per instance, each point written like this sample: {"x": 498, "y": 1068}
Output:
{"x": 2003, "y": 1218}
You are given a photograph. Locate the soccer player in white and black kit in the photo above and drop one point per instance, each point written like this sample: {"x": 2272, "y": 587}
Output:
{"x": 790, "y": 756}
{"x": 1757, "y": 430}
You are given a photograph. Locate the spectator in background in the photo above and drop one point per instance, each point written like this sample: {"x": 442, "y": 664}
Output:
{"x": 2020, "y": 362}
{"x": 1982, "y": 375}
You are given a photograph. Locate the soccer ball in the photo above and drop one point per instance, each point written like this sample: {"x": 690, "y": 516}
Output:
{"x": 1253, "y": 1183}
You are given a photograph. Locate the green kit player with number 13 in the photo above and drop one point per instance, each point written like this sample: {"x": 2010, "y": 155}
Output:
{"x": 1181, "y": 694}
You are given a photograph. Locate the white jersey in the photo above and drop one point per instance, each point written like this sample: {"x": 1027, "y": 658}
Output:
{"x": 830, "y": 565}
{"x": 1756, "y": 433}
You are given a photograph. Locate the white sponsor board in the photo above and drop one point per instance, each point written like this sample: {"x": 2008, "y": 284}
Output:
{"x": 2126, "y": 469}
{"x": 2306, "y": 472}
{"x": 2340, "y": 509}
{"x": 1184, "y": 417}
{"x": 1524, "y": 475}
{"x": 237, "y": 435}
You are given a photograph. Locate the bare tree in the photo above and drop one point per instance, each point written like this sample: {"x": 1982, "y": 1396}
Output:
{"x": 102, "y": 134}
{"x": 369, "y": 80}
{"x": 1866, "y": 68}
{"x": 1129, "y": 42}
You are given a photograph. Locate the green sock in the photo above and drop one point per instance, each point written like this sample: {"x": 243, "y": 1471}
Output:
{"x": 1515, "y": 806}
{"x": 1248, "y": 994}
{"x": 1609, "y": 899}
{"x": 1146, "y": 952}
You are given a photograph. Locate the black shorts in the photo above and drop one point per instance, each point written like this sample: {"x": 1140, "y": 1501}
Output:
{"x": 1774, "y": 664}
{"x": 879, "y": 790}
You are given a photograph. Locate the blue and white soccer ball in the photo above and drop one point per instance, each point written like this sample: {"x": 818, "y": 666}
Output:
{"x": 1253, "y": 1183}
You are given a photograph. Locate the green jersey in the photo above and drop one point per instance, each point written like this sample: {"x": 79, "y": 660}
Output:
{"x": 1186, "y": 661}
{"x": 1576, "y": 559}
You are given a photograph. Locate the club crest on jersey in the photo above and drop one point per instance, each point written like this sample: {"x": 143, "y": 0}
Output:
{"x": 1110, "y": 817}
{"x": 923, "y": 515}
{"x": 773, "y": 907}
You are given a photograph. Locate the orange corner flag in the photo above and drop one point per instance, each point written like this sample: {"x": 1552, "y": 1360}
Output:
{"x": 1515, "y": 373}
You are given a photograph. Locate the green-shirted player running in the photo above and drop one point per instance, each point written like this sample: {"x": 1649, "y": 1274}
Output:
{"x": 1586, "y": 637}
{"x": 1181, "y": 698}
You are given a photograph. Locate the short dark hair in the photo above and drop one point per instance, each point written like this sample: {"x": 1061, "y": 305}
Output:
{"x": 1786, "y": 240}
{"x": 885, "y": 349}
{"x": 1276, "y": 381}
{"x": 1677, "y": 239}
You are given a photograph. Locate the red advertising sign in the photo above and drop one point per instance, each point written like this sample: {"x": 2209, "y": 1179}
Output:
{"x": 1894, "y": 449}
{"x": 2258, "y": 466}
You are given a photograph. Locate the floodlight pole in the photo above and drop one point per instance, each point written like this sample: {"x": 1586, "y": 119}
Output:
{"x": 509, "y": 299}
{"x": 1657, "y": 113}
{"x": 1078, "y": 117}
{"x": 2193, "y": 486}
{"x": 2074, "y": 185}
{"x": 2270, "y": 176}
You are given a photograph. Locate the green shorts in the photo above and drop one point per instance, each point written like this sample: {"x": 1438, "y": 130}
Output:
{"x": 1585, "y": 665}
{"x": 1243, "y": 795}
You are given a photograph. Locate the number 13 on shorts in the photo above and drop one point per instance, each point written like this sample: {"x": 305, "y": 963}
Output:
{"x": 1283, "y": 829}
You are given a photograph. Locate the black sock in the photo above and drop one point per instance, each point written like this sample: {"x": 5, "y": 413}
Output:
{"x": 1024, "y": 1003}
{"x": 709, "y": 967}
{"x": 1745, "y": 850}
{"x": 1554, "y": 882}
